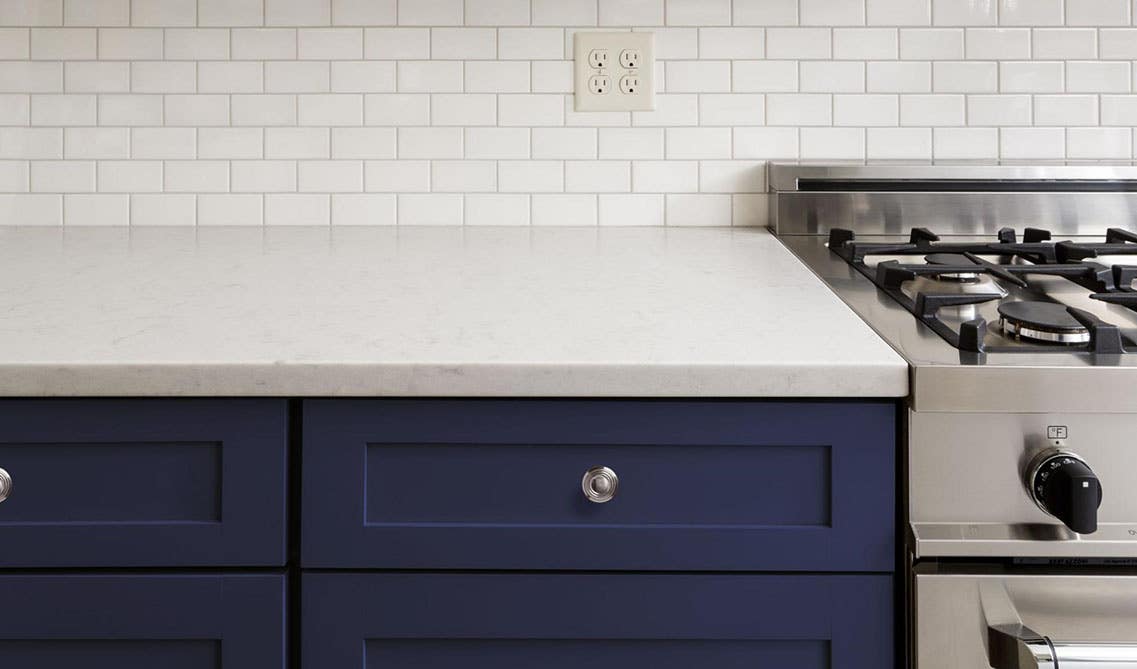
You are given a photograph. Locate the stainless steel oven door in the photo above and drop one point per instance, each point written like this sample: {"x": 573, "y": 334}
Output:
{"x": 1029, "y": 620}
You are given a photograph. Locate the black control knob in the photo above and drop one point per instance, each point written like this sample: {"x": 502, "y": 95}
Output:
{"x": 1063, "y": 485}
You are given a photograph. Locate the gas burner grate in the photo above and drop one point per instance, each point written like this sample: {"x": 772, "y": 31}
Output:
{"x": 1062, "y": 259}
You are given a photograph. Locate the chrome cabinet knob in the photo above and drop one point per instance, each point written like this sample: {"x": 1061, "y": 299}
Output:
{"x": 5, "y": 485}
{"x": 600, "y": 484}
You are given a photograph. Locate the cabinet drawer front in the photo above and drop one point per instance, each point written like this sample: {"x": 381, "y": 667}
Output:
{"x": 498, "y": 485}
{"x": 174, "y": 621}
{"x": 564, "y": 621}
{"x": 156, "y": 483}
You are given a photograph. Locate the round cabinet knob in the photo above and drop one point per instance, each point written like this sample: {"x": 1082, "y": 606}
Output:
{"x": 600, "y": 484}
{"x": 5, "y": 485}
{"x": 1064, "y": 486}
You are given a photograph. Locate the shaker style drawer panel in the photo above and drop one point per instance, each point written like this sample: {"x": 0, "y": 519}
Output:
{"x": 156, "y": 483}
{"x": 566, "y": 621}
{"x": 522, "y": 484}
{"x": 173, "y": 621}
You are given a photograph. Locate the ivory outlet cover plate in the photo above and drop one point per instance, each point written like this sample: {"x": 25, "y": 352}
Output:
{"x": 626, "y": 72}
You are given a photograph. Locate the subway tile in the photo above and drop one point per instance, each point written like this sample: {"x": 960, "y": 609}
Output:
{"x": 230, "y": 209}
{"x": 297, "y": 143}
{"x": 1098, "y": 77}
{"x": 531, "y": 176}
{"x": 497, "y": 209}
{"x": 997, "y": 43}
{"x": 430, "y": 12}
{"x": 264, "y": 43}
{"x": 531, "y": 110}
{"x": 999, "y": 110}
{"x": 665, "y": 176}
{"x": 899, "y": 77}
{"x": 298, "y": 12}
{"x": 1031, "y": 13}
{"x": 62, "y": 176}
{"x": 898, "y": 144}
{"x": 231, "y": 77}
{"x": 866, "y": 110}
{"x": 931, "y": 43}
{"x": 1099, "y": 143}
{"x": 497, "y": 143}
{"x": 430, "y": 209}
{"x": 191, "y": 110}
{"x": 604, "y": 119}
{"x": 631, "y": 12}
{"x": 396, "y": 43}
{"x": 329, "y": 43}
{"x": 163, "y": 143}
{"x": 363, "y": 209}
{"x": 197, "y": 44}
{"x": 598, "y": 176}
{"x": 266, "y": 110}
{"x": 762, "y": 76}
{"x": 1098, "y": 12}
{"x": 698, "y": 143}
{"x": 965, "y": 12}
{"x": 531, "y": 44}
{"x": 732, "y": 43}
{"x": 463, "y": 176}
{"x": 330, "y": 176}
{"x": 899, "y": 12}
{"x": 1118, "y": 43}
{"x": 550, "y": 76}
{"x": 297, "y": 209}
{"x": 765, "y": 12}
{"x": 32, "y": 209}
{"x": 364, "y": 12}
{"x": 230, "y": 13}
{"x": 698, "y": 12}
{"x": 397, "y": 176}
{"x": 1032, "y": 144}
{"x": 497, "y": 12}
{"x": 425, "y": 76}
{"x": 163, "y": 77}
{"x": 865, "y": 44}
{"x": 130, "y": 110}
{"x": 96, "y": 209}
{"x": 17, "y": 77}
{"x": 497, "y": 77}
{"x": 463, "y": 43}
{"x": 970, "y": 77}
{"x": 965, "y": 143}
{"x": 463, "y": 109}
{"x": 15, "y": 176}
{"x": 701, "y": 210}
{"x": 630, "y": 209}
{"x": 130, "y": 176}
{"x": 568, "y": 209}
{"x": 832, "y": 13}
{"x": 564, "y": 143}
{"x": 363, "y": 143}
{"x": 1032, "y": 77}
{"x": 31, "y": 13}
{"x": 733, "y": 109}
{"x": 163, "y": 209}
{"x": 1065, "y": 110}
{"x": 564, "y": 12}
{"x": 630, "y": 143}
{"x": 750, "y": 210}
{"x": 932, "y": 110}
{"x": 63, "y": 43}
{"x": 131, "y": 44}
{"x": 163, "y": 13}
{"x": 430, "y": 143}
{"x": 230, "y": 143}
{"x": 1119, "y": 110}
{"x": 799, "y": 109}
{"x": 732, "y": 176}
{"x": 96, "y": 143}
{"x": 795, "y": 43}
{"x": 832, "y": 76}
{"x": 15, "y": 43}
{"x": 1064, "y": 43}
{"x": 397, "y": 109}
{"x": 702, "y": 76}
{"x": 330, "y": 110}
{"x": 296, "y": 77}
{"x": 64, "y": 110}
{"x": 196, "y": 176}
{"x": 15, "y": 109}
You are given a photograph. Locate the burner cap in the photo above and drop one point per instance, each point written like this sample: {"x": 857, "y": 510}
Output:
{"x": 952, "y": 259}
{"x": 1042, "y": 321}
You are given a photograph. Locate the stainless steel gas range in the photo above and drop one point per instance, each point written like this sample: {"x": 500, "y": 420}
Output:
{"x": 1010, "y": 292}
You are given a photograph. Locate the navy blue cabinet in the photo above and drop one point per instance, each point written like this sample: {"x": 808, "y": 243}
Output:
{"x": 172, "y": 621}
{"x": 155, "y": 483}
{"x": 710, "y": 485}
{"x": 566, "y": 621}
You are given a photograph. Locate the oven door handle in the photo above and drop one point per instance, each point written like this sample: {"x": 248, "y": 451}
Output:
{"x": 1016, "y": 646}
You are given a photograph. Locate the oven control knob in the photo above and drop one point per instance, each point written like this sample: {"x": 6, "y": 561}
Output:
{"x": 1064, "y": 486}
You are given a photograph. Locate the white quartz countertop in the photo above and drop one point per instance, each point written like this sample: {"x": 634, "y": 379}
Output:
{"x": 650, "y": 312}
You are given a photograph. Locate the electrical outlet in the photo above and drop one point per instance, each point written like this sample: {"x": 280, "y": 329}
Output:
{"x": 601, "y": 58}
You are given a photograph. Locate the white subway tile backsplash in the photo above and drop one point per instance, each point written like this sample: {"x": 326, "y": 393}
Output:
{"x": 378, "y": 112}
